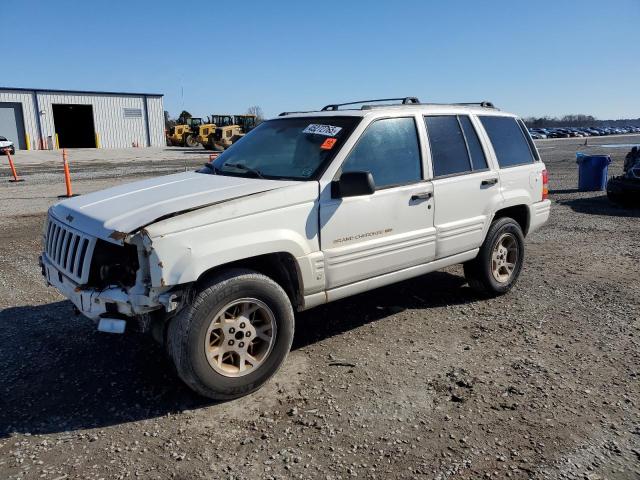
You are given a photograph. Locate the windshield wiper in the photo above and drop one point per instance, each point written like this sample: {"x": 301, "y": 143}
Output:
{"x": 242, "y": 166}
{"x": 211, "y": 167}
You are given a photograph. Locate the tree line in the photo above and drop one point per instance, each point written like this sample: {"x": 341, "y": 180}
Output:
{"x": 578, "y": 121}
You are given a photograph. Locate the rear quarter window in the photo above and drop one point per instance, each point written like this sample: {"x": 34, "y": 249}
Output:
{"x": 509, "y": 142}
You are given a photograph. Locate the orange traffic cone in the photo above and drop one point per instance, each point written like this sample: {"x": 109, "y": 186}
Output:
{"x": 67, "y": 176}
{"x": 13, "y": 169}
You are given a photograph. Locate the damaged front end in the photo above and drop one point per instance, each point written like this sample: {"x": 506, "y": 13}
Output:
{"x": 109, "y": 280}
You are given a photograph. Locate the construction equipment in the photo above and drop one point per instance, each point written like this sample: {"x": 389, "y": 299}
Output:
{"x": 206, "y": 133}
{"x": 246, "y": 122}
{"x": 185, "y": 133}
{"x": 229, "y": 130}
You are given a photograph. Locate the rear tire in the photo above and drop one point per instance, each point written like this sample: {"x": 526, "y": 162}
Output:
{"x": 497, "y": 267}
{"x": 211, "y": 144}
{"x": 221, "y": 343}
{"x": 191, "y": 141}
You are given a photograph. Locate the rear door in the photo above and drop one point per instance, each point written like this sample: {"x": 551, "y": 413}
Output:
{"x": 466, "y": 185}
{"x": 391, "y": 229}
{"x": 520, "y": 165}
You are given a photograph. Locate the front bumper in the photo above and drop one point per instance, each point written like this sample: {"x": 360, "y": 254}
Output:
{"x": 90, "y": 302}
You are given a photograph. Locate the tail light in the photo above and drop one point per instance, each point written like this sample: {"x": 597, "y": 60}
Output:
{"x": 545, "y": 184}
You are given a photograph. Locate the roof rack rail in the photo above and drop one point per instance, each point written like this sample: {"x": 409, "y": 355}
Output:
{"x": 404, "y": 100}
{"x": 483, "y": 104}
{"x": 284, "y": 114}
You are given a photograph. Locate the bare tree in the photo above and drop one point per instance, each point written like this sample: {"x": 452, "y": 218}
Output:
{"x": 257, "y": 111}
{"x": 184, "y": 116}
{"x": 168, "y": 121}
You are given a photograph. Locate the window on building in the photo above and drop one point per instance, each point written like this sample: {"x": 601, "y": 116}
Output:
{"x": 132, "y": 113}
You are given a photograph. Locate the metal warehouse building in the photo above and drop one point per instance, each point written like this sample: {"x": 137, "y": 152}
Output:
{"x": 36, "y": 119}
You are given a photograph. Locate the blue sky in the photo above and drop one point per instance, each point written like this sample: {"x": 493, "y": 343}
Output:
{"x": 531, "y": 58}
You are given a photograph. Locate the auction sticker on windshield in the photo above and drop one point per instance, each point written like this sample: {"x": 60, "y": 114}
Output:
{"x": 326, "y": 130}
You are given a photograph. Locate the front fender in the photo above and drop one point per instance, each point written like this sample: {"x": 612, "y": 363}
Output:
{"x": 177, "y": 261}
{"x": 181, "y": 248}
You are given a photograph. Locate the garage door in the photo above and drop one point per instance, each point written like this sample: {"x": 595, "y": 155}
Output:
{"x": 12, "y": 123}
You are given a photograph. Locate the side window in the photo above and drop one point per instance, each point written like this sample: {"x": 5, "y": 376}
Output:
{"x": 478, "y": 160}
{"x": 526, "y": 134}
{"x": 448, "y": 149}
{"x": 508, "y": 141}
{"x": 389, "y": 150}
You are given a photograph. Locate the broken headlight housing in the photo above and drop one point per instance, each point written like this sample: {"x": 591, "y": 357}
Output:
{"x": 113, "y": 265}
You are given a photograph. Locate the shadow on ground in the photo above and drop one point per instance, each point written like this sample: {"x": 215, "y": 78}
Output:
{"x": 563, "y": 190}
{"x": 60, "y": 374}
{"x": 600, "y": 205}
{"x": 189, "y": 151}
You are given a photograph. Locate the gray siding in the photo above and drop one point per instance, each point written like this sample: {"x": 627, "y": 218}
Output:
{"x": 28, "y": 112}
{"x": 155, "y": 107}
{"x": 115, "y": 130}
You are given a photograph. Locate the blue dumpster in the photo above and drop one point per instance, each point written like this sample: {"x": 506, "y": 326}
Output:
{"x": 593, "y": 171}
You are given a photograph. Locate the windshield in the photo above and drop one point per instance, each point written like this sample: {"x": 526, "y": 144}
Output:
{"x": 291, "y": 148}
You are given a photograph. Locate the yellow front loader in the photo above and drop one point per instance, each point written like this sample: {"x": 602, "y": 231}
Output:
{"x": 185, "y": 133}
{"x": 228, "y": 129}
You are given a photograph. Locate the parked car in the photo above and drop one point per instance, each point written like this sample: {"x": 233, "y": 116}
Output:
{"x": 540, "y": 132}
{"x": 306, "y": 209}
{"x": 625, "y": 189}
{"x": 559, "y": 133}
{"x": 536, "y": 135}
{"x": 7, "y": 145}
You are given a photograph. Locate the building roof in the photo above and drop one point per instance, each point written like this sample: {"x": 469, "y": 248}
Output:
{"x": 84, "y": 92}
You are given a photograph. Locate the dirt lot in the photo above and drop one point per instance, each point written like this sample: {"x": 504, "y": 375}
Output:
{"x": 420, "y": 379}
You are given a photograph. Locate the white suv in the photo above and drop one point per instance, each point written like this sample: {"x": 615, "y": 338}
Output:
{"x": 7, "y": 145}
{"x": 308, "y": 208}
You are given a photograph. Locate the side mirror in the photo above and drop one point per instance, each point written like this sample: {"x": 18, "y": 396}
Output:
{"x": 353, "y": 184}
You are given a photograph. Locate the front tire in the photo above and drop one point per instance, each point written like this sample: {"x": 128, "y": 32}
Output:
{"x": 497, "y": 267}
{"x": 191, "y": 141}
{"x": 234, "y": 336}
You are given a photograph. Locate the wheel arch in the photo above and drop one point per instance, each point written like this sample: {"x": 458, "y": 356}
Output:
{"x": 520, "y": 213}
{"x": 281, "y": 267}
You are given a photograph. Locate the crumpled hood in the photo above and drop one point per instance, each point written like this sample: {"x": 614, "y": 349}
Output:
{"x": 111, "y": 213}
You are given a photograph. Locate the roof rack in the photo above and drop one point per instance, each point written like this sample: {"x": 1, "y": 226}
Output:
{"x": 284, "y": 114}
{"x": 484, "y": 104}
{"x": 404, "y": 100}
{"x": 464, "y": 104}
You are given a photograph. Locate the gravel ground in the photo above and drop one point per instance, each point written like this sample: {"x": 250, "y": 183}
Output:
{"x": 422, "y": 379}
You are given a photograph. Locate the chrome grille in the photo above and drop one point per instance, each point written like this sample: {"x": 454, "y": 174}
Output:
{"x": 69, "y": 250}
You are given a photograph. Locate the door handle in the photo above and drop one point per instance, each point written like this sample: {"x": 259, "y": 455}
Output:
{"x": 489, "y": 181}
{"x": 421, "y": 196}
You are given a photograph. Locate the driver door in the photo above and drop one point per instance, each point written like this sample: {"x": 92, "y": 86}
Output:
{"x": 391, "y": 229}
